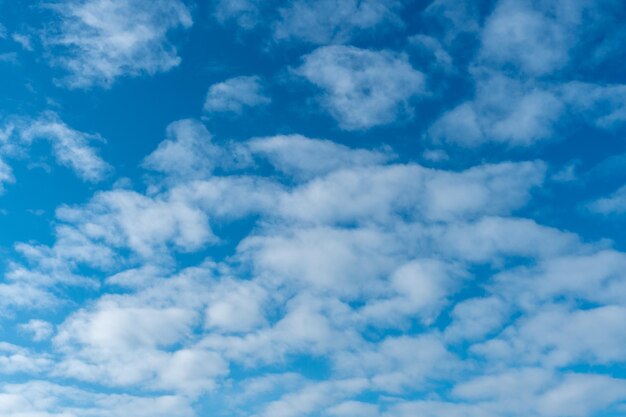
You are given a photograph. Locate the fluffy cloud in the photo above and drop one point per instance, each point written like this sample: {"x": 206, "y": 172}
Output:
{"x": 322, "y": 22}
{"x": 504, "y": 110}
{"x": 518, "y": 34}
{"x": 362, "y": 88}
{"x": 526, "y": 72}
{"x": 70, "y": 147}
{"x": 235, "y": 94}
{"x": 613, "y": 204}
{"x": 359, "y": 264}
{"x": 44, "y": 399}
{"x": 332, "y": 21}
{"x": 186, "y": 152}
{"x": 98, "y": 41}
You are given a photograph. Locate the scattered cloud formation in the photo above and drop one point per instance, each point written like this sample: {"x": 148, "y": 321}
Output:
{"x": 377, "y": 209}
{"x": 362, "y": 88}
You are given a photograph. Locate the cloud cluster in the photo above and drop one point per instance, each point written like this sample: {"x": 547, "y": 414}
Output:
{"x": 290, "y": 275}
{"x": 98, "y": 41}
{"x": 341, "y": 249}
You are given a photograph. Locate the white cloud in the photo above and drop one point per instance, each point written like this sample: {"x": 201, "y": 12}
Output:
{"x": 493, "y": 238}
{"x": 142, "y": 339}
{"x": 6, "y": 175}
{"x": 321, "y": 22}
{"x": 332, "y": 21}
{"x": 528, "y": 38}
{"x": 246, "y": 13}
{"x": 123, "y": 218}
{"x": 400, "y": 364}
{"x": 236, "y": 94}
{"x": 304, "y": 158}
{"x": 557, "y": 337}
{"x": 43, "y": 399}
{"x": 603, "y": 105}
{"x": 504, "y": 110}
{"x": 362, "y": 88}
{"x": 475, "y": 318}
{"x": 40, "y": 330}
{"x": 187, "y": 152}
{"x": 71, "y": 147}
{"x": 98, "y": 41}
{"x": 613, "y": 204}
{"x": 23, "y": 40}
{"x": 536, "y": 391}
{"x": 358, "y": 264}
{"x": 18, "y": 360}
{"x": 313, "y": 397}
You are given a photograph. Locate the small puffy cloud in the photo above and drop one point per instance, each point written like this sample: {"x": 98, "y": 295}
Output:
{"x": 245, "y": 13}
{"x": 362, "y": 88}
{"x": 39, "y": 329}
{"x": 45, "y": 399}
{"x": 331, "y": 21}
{"x": 613, "y": 204}
{"x": 491, "y": 239}
{"x": 19, "y": 360}
{"x": 602, "y": 105}
{"x": 187, "y": 151}
{"x": 475, "y": 318}
{"x": 504, "y": 110}
{"x": 23, "y": 40}
{"x": 556, "y": 337}
{"x": 530, "y": 391}
{"x": 235, "y": 94}
{"x": 127, "y": 219}
{"x": 71, "y": 148}
{"x": 136, "y": 339}
{"x": 6, "y": 175}
{"x": 528, "y": 38}
{"x": 321, "y": 22}
{"x": 98, "y": 41}
{"x": 302, "y": 157}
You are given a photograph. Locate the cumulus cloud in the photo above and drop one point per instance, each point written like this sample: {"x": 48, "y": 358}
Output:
{"x": 526, "y": 73}
{"x": 236, "y": 94}
{"x": 70, "y": 147}
{"x": 504, "y": 110}
{"x": 527, "y": 37}
{"x": 613, "y": 204}
{"x": 39, "y": 329}
{"x": 362, "y": 88}
{"x": 321, "y": 22}
{"x": 98, "y": 41}
{"x": 187, "y": 151}
{"x": 305, "y": 158}
{"x": 332, "y": 21}
{"x": 337, "y": 262}
{"x": 45, "y": 399}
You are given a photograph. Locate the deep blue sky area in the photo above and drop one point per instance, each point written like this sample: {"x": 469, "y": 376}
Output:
{"x": 339, "y": 208}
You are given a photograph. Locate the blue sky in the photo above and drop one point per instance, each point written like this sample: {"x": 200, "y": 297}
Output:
{"x": 375, "y": 208}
